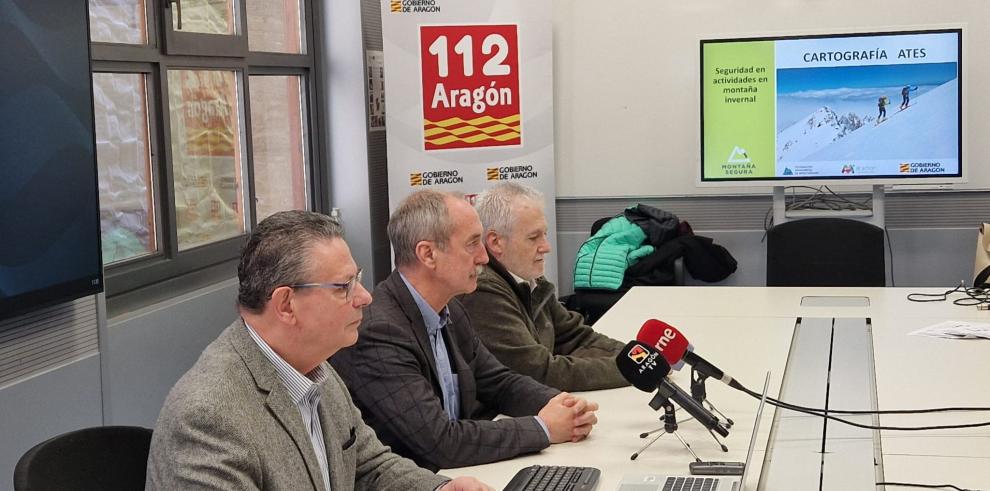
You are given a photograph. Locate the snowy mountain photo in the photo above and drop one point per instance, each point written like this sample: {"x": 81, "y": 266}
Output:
{"x": 832, "y": 117}
{"x": 819, "y": 130}
{"x": 927, "y": 129}
{"x": 826, "y": 135}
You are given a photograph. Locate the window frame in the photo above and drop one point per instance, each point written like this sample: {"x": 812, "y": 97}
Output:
{"x": 202, "y": 44}
{"x": 131, "y": 283}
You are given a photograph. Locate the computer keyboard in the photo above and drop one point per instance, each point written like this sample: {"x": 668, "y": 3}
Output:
{"x": 690, "y": 484}
{"x": 554, "y": 478}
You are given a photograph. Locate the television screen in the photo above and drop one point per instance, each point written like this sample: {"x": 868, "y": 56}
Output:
{"x": 847, "y": 107}
{"x": 49, "y": 211}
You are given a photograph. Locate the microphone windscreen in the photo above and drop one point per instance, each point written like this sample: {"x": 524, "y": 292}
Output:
{"x": 666, "y": 339}
{"x": 642, "y": 366}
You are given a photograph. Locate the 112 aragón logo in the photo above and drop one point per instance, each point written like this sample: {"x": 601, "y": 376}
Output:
{"x": 470, "y": 86}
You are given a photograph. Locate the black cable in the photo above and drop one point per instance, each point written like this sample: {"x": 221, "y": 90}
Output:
{"x": 881, "y": 427}
{"x": 890, "y": 251}
{"x": 767, "y": 223}
{"x": 821, "y": 198}
{"x": 821, "y": 414}
{"x": 934, "y": 297}
{"x": 974, "y": 296}
{"x": 863, "y": 205}
{"x": 928, "y": 486}
{"x": 824, "y": 198}
{"x": 787, "y": 405}
{"x": 798, "y": 205}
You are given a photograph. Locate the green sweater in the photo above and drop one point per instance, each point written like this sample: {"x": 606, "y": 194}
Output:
{"x": 533, "y": 334}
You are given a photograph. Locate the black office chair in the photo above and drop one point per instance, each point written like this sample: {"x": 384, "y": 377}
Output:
{"x": 593, "y": 303}
{"x": 100, "y": 458}
{"x": 825, "y": 252}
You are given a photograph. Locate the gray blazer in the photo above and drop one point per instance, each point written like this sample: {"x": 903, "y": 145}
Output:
{"x": 229, "y": 423}
{"x": 391, "y": 373}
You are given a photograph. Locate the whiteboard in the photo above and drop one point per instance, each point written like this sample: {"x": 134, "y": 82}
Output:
{"x": 626, "y": 83}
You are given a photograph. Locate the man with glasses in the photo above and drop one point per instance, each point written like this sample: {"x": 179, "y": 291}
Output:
{"x": 419, "y": 374}
{"x": 261, "y": 408}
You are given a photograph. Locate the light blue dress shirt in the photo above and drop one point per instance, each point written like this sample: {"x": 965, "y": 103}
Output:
{"x": 435, "y": 322}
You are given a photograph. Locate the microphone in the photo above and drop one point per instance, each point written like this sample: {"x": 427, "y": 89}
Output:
{"x": 666, "y": 339}
{"x": 646, "y": 369}
{"x": 676, "y": 350}
{"x": 642, "y": 366}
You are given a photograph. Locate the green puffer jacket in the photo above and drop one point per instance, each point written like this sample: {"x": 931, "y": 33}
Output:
{"x": 602, "y": 260}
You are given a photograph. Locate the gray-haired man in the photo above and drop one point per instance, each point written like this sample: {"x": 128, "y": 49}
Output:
{"x": 515, "y": 309}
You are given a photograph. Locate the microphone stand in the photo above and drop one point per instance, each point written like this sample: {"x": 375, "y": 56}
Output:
{"x": 669, "y": 426}
{"x": 700, "y": 394}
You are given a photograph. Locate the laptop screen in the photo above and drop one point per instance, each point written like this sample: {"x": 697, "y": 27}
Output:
{"x": 756, "y": 429}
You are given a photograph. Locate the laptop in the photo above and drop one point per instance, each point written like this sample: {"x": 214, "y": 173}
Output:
{"x": 656, "y": 482}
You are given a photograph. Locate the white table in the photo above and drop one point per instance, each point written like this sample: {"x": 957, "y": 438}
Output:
{"x": 747, "y": 331}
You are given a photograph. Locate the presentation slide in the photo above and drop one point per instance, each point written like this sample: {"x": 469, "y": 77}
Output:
{"x": 826, "y": 107}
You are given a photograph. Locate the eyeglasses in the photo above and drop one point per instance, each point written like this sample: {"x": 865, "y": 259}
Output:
{"x": 348, "y": 287}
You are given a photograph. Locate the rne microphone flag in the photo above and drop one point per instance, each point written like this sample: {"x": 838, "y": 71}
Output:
{"x": 666, "y": 339}
{"x": 676, "y": 343}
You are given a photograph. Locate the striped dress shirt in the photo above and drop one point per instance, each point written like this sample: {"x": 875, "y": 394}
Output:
{"x": 305, "y": 391}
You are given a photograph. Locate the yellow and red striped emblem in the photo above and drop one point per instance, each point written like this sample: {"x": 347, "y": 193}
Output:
{"x": 439, "y": 134}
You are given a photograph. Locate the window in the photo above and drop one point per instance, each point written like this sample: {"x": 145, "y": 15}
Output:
{"x": 206, "y": 155}
{"x": 275, "y": 26}
{"x": 279, "y": 144}
{"x": 123, "y": 156}
{"x": 204, "y": 127}
{"x": 116, "y": 21}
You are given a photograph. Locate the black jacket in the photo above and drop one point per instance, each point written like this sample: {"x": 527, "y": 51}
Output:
{"x": 704, "y": 259}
